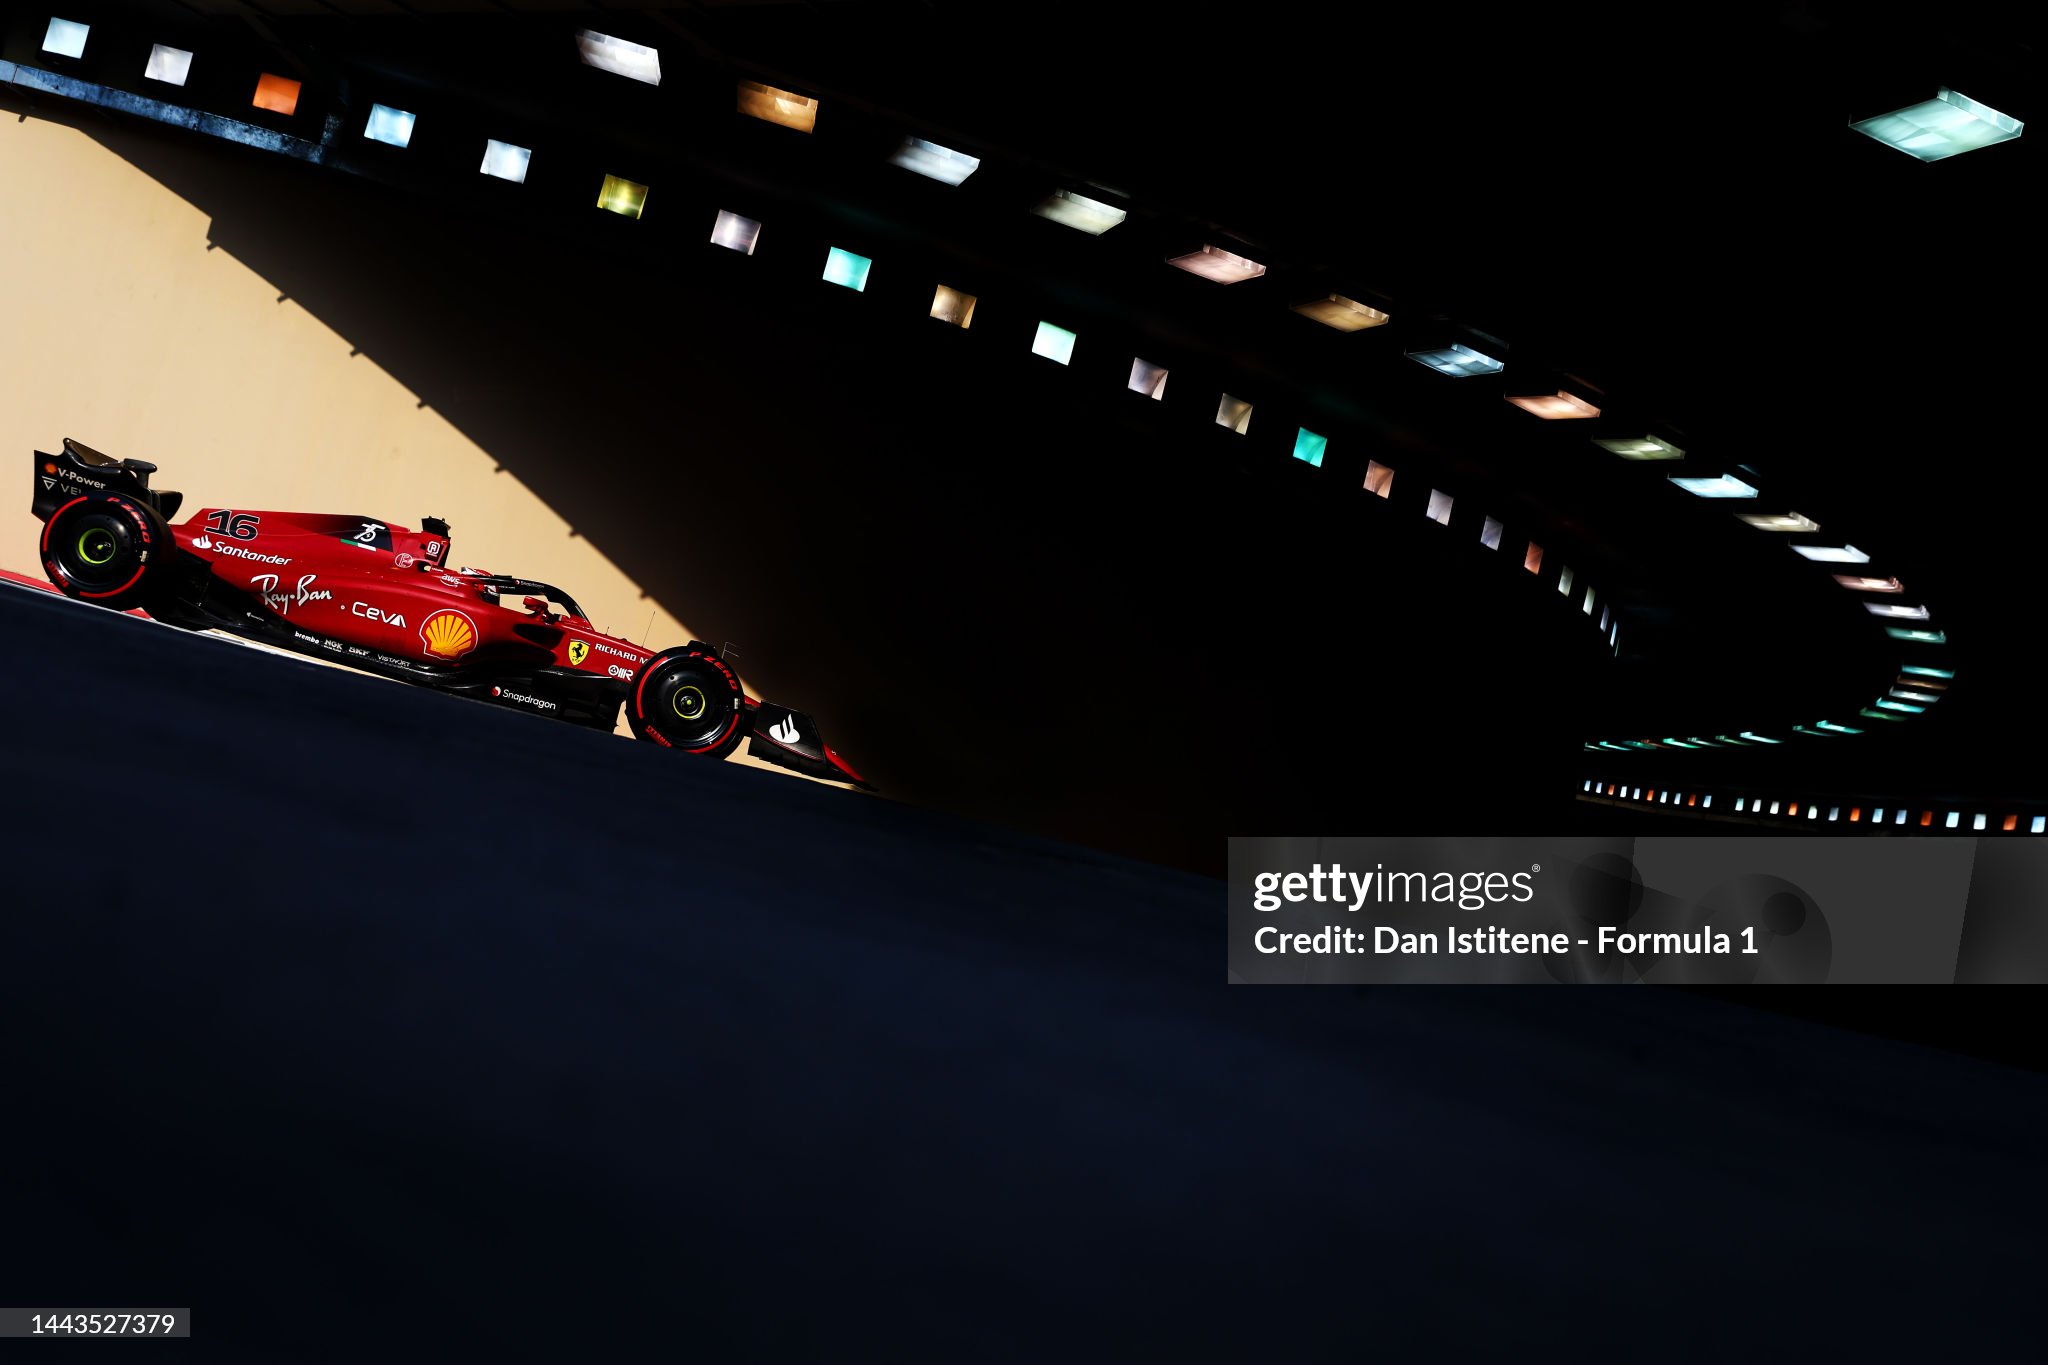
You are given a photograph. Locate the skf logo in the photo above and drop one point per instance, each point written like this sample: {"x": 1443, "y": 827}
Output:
{"x": 448, "y": 634}
{"x": 579, "y": 650}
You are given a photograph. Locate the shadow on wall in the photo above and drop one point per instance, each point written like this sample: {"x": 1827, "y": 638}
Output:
{"x": 998, "y": 594}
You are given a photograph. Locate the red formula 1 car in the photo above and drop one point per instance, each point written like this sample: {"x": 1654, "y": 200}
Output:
{"x": 380, "y": 598}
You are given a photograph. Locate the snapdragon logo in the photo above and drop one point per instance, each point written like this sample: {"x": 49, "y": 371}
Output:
{"x": 1334, "y": 886}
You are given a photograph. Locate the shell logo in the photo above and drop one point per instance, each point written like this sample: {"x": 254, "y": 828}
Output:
{"x": 448, "y": 634}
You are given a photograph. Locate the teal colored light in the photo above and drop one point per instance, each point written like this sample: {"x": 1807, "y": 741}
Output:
{"x": 1054, "y": 343}
{"x": 845, "y": 268}
{"x": 1618, "y": 748}
{"x": 1839, "y": 729}
{"x": 1751, "y": 734}
{"x": 1925, "y": 637}
{"x": 1920, "y": 670}
{"x": 1809, "y": 730}
{"x": 1887, "y": 704}
{"x": 1457, "y": 360}
{"x": 1639, "y": 744}
{"x": 1722, "y": 486}
{"x": 1903, "y": 695}
{"x": 1309, "y": 447}
{"x": 1941, "y": 127}
{"x": 1879, "y": 715}
{"x": 1730, "y": 739}
{"x": 1679, "y": 743}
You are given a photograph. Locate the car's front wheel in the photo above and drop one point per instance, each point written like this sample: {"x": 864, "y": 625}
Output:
{"x": 688, "y": 698}
{"x": 105, "y": 550}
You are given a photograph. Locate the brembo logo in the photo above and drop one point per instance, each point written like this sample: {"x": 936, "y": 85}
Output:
{"x": 236, "y": 551}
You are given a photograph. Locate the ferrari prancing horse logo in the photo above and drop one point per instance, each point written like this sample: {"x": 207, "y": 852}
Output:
{"x": 579, "y": 650}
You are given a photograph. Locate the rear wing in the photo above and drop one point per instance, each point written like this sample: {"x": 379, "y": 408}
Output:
{"x": 79, "y": 470}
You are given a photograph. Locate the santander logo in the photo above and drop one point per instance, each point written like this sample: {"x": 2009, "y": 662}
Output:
{"x": 223, "y": 547}
{"x": 784, "y": 730}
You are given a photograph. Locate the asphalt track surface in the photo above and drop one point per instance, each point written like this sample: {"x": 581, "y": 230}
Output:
{"x": 366, "y": 1022}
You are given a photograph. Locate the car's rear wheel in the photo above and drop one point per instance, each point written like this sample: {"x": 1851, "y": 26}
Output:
{"x": 106, "y": 550}
{"x": 688, "y": 698}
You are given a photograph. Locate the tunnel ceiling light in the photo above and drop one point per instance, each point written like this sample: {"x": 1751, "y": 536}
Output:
{"x": 1054, "y": 343}
{"x": 388, "y": 125}
{"x": 735, "y": 233}
{"x": 65, "y": 38}
{"x": 1760, "y": 739}
{"x": 1309, "y": 446}
{"x": 1489, "y": 536}
{"x": 171, "y": 65}
{"x": 1532, "y": 560}
{"x": 1346, "y": 315}
{"x": 1079, "y": 212}
{"x": 785, "y": 108}
{"x": 950, "y": 305}
{"x": 1214, "y": 263}
{"x": 1832, "y": 554}
{"x": 1640, "y": 448}
{"x": 1858, "y": 583}
{"x": 1879, "y": 715}
{"x": 1839, "y": 729}
{"x": 1918, "y": 637}
{"x": 1234, "y": 413}
{"x": 1922, "y": 671}
{"x": 631, "y": 60}
{"x": 1457, "y": 360}
{"x": 1941, "y": 127}
{"x": 1893, "y": 609}
{"x": 1887, "y": 704}
{"x": 1379, "y": 479}
{"x": 1439, "y": 509}
{"x": 1720, "y": 486}
{"x": 843, "y": 267}
{"x": 1147, "y": 378}
{"x": 627, "y": 198}
{"x": 934, "y": 162}
{"x": 1560, "y": 406}
{"x": 503, "y": 161}
{"x": 280, "y": 95}
{"x": 1779, "y": 521}
{"x": 1908, "y": 694}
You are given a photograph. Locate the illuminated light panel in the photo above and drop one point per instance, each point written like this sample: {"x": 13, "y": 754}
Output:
{"x": 1680, "y": 743}
{"x": 1346, "y": 315}
{"x": 1379, "y": 479}
{"x": 1856, "y": 814}
{"x": 1954, "y": 818}
{"x": 1779, "y": 521}
{"x": 1834, "y": 812}
{"x": 785, "y": 108}
{"x": 850, "y": 271}
{"x": 280, "y": 95}
{"x": 950, "y": 305}
{"x": 1740, "y": 802}
{"x": 503, "y": 161}
{"x": 2012, "y": 822}
{"x": 392, "y": 126}
{"x": 1832, "y": 554}
{"x": 1489, "y": 536}
{"x": 1838, "y": 729}
{"x": 1079, "y": 212}
{"x": 1813, "y": 812}
{"x": 1887, "y": 704}
{"x": 2040, "y": 824}
{"x": 1234, "y": 413}
{"x": 634, "y": 61}
{"x": 1457, "y": 360}
{"x": 1148, "y": 379}
{"x": 1587, "y": 605}
{"x": 1878, "y": 715}
{"x": 621, "y": 196}
{"x": 1901, "y": 818}
{"x": 1640, "y": 448}
{"x": 1924, "y": 698}
{"x": 1720, "y": 486}
{"x": 1858, "y": 583}
{"x": 1439, "y": 510}
{"x": 1922, "y": 671}
{"x": 1978, "y": 822}
{"x": 1919, "y": 637}
{"x": 1774, "y": 807}
{"x": 1606, "y": 616}
{"x": 1054, "y": 343}
{"x": 1877, "y": 816}
{"x": 1564, "y": 581}
{"x": 934, "y": 162}
{"x": 1898, "y": 611}
{"x": 1707, "y": 801}
{"x": 1554, "y": 408}
{"x": 735, "y": 233}
{"x": 1760, "y": 739}
{"x": 1533, "y": 560}
{"x": 171, "y": 65}
{"x": 65, "y": 38}
{"x": 1309, "y": 446}
{"x": 1214, "y": 263}
{"x": 1941, "y": 127}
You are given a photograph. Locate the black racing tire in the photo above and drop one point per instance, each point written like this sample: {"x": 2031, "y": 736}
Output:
{"x": 107, "y": 548}
{"x": 689, "y": 699}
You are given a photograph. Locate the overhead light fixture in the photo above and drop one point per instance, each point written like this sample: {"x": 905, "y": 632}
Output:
{"x": 1081, "y": 213}
{"x": 1918, "y": 637}
{"x": 65, "y": 38}
{"x": 1379, "y": 479}
{"x": 1309, "y": 446}
{"x": 735, "y": 233}
{"x": 1346, "y": 315}
{"x": 1564, "y": 581}
{"x": 1234, "y": 413}
{"x": 280, "y": 95}
{"x": 1902, "y": 613}
{"x": 1214, "y": 263}
{"x": 1760, "y": 739}
{"x": 388, "y": 125}
{"x": 1489, "y": 536}
{"x": 846, "y": 269}
{"x": 1922, "y": 671}
{"x": 1720, "y": 486}
{"x": 631, "y": 60}
{"x": 1640, "y": 448}
{"x": 1054, "y": 343}
{"x": 1779, "y": 521}
{"x": 1858, "y": 583}
{"x": 1560, "y": 406}
{"x": 1439, "y": 509}
{"x": 950, "y": 305}
{"x": 1832, "y": 554}
{"x": 627, "y": 198}
{"x": 1941, "y": 127}
{"x": 503, "y": 161}
{"x": 785, "y": 108}
{"x": 1839, "y": 729}
{"x": 1147, "y": 378}
{"x": 1908, "y": 694}
{"x": 1457, "y": 360}
{"x": 1887, "y": 704}
{"x": 1533, "y": 560}
{"x": 934, "y": 162}
{"x": 171, "y": 65}
{"x": 1879, "y": 715}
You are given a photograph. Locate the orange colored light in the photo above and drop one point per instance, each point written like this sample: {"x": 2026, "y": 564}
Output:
{"x": 1794, "y": 810}
{"x": 1926, "y": 818}
{"x": 49, "y": 467}
{"x": 785, "y": 107}
{"x": 1693, "y": 800}
{"x": 1855, "y": 814}
{"x": 275, "y": 93}
{"x": 2011, "y": 822}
